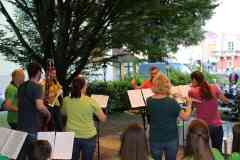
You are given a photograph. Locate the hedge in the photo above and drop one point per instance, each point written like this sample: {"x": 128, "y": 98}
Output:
{"x": 117, "y": 90}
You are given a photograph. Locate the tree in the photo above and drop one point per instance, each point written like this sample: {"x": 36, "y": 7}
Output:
{"x": 72, "y": 32}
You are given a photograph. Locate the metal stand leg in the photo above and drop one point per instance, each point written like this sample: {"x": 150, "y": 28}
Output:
{"x": 98, "y": 140}
{"x": 183, "y": 134}
{"x": 143, "y": 114}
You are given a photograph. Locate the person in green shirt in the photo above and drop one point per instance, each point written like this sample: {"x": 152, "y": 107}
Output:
{"x": 197, "y": 146}
{"x": 79, "y": 110}
{"x": 3, "y": 157}
{"x": 134, "y": 144}
{"x": 11, "y": 97}
{"x": 236, "y": 143}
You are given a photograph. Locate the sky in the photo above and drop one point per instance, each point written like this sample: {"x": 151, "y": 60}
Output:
{"x": 225, "y": 20}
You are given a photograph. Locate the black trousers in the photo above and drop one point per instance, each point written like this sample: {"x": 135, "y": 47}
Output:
{"x": 25, "y": 150}
{"x": 13, "y": 125}
{"x": 56, "y": 123}
{"x": 216, "y": 134}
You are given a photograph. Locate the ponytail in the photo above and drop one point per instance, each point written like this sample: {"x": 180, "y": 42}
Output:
{"x": 205, "y": 91}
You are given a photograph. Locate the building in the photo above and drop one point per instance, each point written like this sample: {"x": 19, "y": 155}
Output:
{"x": 218, "y": 52}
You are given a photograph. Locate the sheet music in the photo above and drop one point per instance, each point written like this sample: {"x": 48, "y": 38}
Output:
{"x": 102, "y": 100}
{"x": 147, "y": 93}
{"x": 14, "y": 144}
{"x": 136, "y": 98}
{"x": 180, "y": 93}
{"x": 4, "y": 137}
{"x": 63, "y": 145}
{"x": 49, "y": 136}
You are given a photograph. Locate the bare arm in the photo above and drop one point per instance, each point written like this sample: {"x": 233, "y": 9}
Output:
{"x": 9, "y": 106}
{"x": 223, "y": 98}
{"x": 101, "y": 116}
{"x": 43, "y": 109}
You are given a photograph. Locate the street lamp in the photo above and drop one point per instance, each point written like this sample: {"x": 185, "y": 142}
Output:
{"x": 167, "y": 67}
{"x": 104, "y": 71}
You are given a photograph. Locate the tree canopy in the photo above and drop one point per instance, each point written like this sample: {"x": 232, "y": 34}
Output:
{"x": 72, "y": 32}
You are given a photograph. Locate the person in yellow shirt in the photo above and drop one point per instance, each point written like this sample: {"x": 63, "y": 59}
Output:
{"x": 53, "y": 99}
{"x": 79, "y": 110}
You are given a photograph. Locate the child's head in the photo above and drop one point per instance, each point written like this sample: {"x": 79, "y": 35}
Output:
{"x": 198, "y": 140}
{"x": 134, "y": 144}
{"x": 40, "y": 150}
{"x": 236, "y": 138}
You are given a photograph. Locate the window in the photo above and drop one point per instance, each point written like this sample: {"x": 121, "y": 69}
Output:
{"x": 230, "y": 46}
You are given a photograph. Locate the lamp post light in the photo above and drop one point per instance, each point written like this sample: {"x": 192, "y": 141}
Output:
{"x": 167, "y": 67}
{"x": 104, "y": 71}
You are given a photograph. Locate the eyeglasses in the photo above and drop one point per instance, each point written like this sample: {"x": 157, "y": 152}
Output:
{"x": 153, "y": 73}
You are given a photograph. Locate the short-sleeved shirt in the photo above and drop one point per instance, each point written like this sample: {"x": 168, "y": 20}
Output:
{"x": 215, "y": 152}
{"x": 29, "y": 118}
{"x": 207, "y": 110}
{"x": 11, "y": 94}
{"x": 79, "y": 112}
{"x": 146, "y": 84}
{"x": 234, "y": 156}
{"x": 54, "y": 89}
{"x": 163, "y": 119}
{"x": 3, "y": 157}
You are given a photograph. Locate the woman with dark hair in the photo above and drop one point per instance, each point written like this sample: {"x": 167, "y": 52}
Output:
{"x": 134, "y": 145}
{"x": 40, "y": 150}
{"x": 79, "y": 110}
{"x": 236, "y": 143}
{"x": 207, "y": 97}
{"x": 197, "y": 146}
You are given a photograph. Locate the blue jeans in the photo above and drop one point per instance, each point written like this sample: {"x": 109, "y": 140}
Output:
{"x": 168, "y": 148}
{"x": 85, "y": 146}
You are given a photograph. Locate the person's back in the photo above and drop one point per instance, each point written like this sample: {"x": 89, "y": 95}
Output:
{"x": 79, "y": 112}
{"x": 163, "y": 117}
{"x": 29, "y": 116}
{"x": 207, "y": 109}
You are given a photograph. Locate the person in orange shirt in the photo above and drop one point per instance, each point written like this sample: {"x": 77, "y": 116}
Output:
{"x": 154, "y": 71}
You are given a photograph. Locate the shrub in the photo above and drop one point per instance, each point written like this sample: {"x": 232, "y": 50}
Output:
{"x": 117, "y": 92}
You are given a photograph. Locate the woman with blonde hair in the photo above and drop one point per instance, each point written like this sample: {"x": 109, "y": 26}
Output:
{"x": 163, "y": 113}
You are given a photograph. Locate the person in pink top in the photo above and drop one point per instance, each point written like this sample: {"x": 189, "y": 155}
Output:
{"x": 206, "y": 96}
